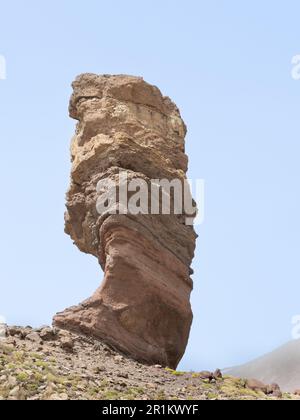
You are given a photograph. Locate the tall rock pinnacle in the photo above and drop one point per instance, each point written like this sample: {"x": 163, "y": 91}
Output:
{"x": 128, "y": 132}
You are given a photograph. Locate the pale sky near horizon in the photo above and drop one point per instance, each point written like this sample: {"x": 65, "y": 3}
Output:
{"x": 227, "y": 65}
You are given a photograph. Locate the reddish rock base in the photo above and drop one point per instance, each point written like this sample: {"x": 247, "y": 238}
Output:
{"x": 142, "y": 308}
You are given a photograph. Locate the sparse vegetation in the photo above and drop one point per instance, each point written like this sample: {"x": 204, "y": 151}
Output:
{"x": 175, "y": 372}
{"x": 95, "y": 372}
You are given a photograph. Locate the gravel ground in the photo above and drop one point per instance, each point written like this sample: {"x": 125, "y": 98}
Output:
{"x": 52, "y": 364}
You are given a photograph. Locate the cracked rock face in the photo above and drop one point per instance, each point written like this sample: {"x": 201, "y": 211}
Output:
{"x": 126, "y": 128}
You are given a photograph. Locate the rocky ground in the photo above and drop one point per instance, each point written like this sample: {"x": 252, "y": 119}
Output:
{"x": 52, "y": 364}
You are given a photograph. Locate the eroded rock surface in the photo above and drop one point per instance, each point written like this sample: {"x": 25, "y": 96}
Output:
{"x": 126, "y": 127}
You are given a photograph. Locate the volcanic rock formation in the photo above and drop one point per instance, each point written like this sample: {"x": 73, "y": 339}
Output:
{"x": 127, "y": 130}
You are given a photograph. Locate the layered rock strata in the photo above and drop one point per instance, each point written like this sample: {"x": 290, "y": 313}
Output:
{"x": 127, "y": 130}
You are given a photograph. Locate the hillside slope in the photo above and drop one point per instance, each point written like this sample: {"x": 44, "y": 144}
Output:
{"x": 281, "y": 366}
{"x": 47, "y": 364}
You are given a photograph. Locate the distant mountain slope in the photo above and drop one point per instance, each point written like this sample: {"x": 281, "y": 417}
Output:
{"x": 281, "y": 366}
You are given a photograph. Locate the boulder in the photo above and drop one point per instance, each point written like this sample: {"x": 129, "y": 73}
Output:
{"x": 218, "y": 374}
{"x": 48, "y": 334}
{"x": 256, "y": 385}
{"x": 34, "y": 337}
{"x": 274, "y": 390}
{"x": 206, "y": 375}
{"x": 67, "y": 344}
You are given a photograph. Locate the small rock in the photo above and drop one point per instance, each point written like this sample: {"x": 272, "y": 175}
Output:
{"x": 118, "y": 358}
{"x": 158, "y": 366}
{"x": 23, "y": 335}
{"x": 54, "y": 397}
{"x": 12, "y": 381}
{"x": 63, "y": 397}
{"x": 81, "y": 387}
{"x": 97, "y": 347}
{"x": 99, "y": 369}
{"x": 277, "y": 394}
{"x": 206, "y": 375}
{"x": 218, "y": 374}
{"x": 47, "y": 334}
{"x": 17, "y": 393}
{"x": 67, "y": 343}
{"x": 34, "y": 337}
{"x": 50, "y": 389}
{"x": 256, "y": 385}
{"x": 14, "y": 331}
{"x": 83, "y": 367}
{"x": 41, "y": 328}
{"x": 11, "y": 340}
{"x": 274, "y": 390}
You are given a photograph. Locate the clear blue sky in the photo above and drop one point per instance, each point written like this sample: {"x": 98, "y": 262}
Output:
{"x": 227, "y": 64}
